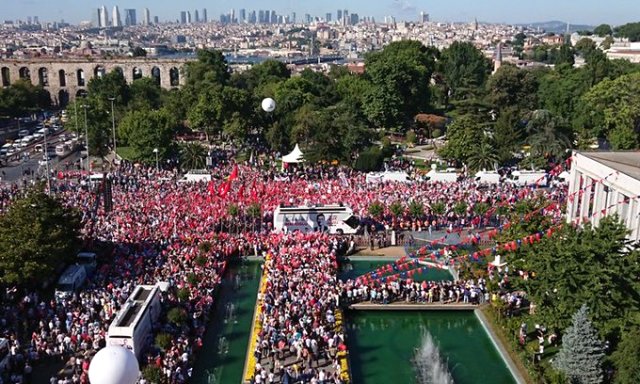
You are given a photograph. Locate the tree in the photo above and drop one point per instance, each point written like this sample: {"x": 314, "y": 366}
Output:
{"x": 612, "y": 109}
{"x": 484, "y": 157}
{"x": 145, "y": 93}
{"x": 192, "y": 156}
{"x": 376, "y": 209}
{"x": 399, "y": 76}
{"x": 269, "y": 71}
{"x": 22, "y": 97}
{"x": 38, "y": 234}
{"x": 416, "y": 209}
{"x": 210, "y": 67}
{"x": 511, "y": 87}
{"x": 603, "y": 30}
{"x": 462, "y": 138}
{"x": 147, "y": 130}
{"x": 138, "y": 52}
{"x": 629, "y": 30}
{"x": 585, "y": 46}
{"x": 507, "y": 135}
{"x": 626, "y": 357}
{"x": 396, "y": 208}
{"x": 112, "y": 84}
{"x": 547, "y": 135}
{"x": 565, "y": 56}
{"x": 465, "y": 68}
{"x": 581, "y": 355}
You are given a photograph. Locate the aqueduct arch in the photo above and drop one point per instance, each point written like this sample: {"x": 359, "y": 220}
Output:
{"x": 65, "y": 78}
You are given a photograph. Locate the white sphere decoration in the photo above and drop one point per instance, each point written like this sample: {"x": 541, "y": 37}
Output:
{"x": 114, "y": 365}
{"x": 268, "y": 104}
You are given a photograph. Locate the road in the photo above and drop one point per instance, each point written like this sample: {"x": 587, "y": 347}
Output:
{"x": 29, "y": 163}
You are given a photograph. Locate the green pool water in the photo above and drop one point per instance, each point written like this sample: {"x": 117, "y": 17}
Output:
{"x": 360, "y": 267}
{"x": 218, "y": 364}
{"x": 382, "y": 344}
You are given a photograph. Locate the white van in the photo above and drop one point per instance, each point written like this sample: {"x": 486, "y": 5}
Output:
{"x": 529, "y": 178}
{"x": 195, "y": 176}
{"x": 71, "y": 280}
{"x": 448, "y": 176}
{"x": 382, "y": 177}
{"x": 335, "y": 219}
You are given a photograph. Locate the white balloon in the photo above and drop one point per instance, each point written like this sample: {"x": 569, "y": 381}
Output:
{"x": 268, "y": 104}
{"x": 114, "y": 365}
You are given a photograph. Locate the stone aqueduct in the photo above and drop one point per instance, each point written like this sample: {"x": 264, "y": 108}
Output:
{"x": 66, "y": 79}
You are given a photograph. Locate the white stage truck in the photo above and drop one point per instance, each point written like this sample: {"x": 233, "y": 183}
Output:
{"x": 335, "y": 219}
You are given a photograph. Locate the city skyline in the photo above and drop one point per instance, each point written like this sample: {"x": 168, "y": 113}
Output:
{"x": 497, "y": 11}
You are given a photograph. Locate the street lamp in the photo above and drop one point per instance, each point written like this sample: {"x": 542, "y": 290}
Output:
{"x": 86, "y": 136}
{"x": 155, "y": 150}
{"x": 46, "y": 159}
{"x": 113, "y": 125}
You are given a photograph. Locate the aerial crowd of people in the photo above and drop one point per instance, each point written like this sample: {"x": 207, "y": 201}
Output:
{"x": 163, "y": 230}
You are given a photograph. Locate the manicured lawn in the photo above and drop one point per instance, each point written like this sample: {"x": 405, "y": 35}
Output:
{"x": 125, "y": 152}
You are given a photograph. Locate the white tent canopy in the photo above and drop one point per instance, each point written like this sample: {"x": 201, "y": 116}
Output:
{"x": 295, "y": 156}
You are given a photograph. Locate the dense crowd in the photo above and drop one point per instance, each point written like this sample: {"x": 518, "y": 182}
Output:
{"x": 165, "y": 230}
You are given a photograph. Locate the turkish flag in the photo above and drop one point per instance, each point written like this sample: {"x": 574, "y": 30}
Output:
{"x": 234, "y": 173}
{"x": 224, "y": 188}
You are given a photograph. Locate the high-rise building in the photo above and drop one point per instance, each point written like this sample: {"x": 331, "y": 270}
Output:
{"x": 156, "y": 20}
{"x": 130, "y": 17}
{"x": 327, "y": 17}
{"x": 243, "y": 16}
{"x": 204, "y": 15}
{"x": 274, "y": 17}
{"x": 260, "y": 16}
{"x": 307, "y": 18}
{"x": 104, "y": 17}
{"x": 183, "y": 17}
{"x": 189, "y": 20}
{"x": 267, "y": 16}
{"x": 424, "y": 17}
{"x": 339, "y": 15}
{"x": 355, "y": 19}
{"x": 252, "y": 17}
{"x": 293, "y": 17}
{"x": 232, "y": 16}
{"x": 116, "y": 21}
{"x": 345, "y": 17}
{"x": 146, "y": 16}
{"x": 196, "y": 16}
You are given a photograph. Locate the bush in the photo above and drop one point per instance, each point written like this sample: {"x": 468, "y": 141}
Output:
{"x": 177, "y": 316}
{"x": 376, "y": 209}
{"x": 183, "y": 294}
{"x": 411, "y": 137}
{"x": 152, "y": 374}
{"x": 369, "y": 160}
{"x": 436, "y": 133}
{"x": 192, "y": 279}
{"x": 163, "y": 341}
{"x": 201, "y": 260}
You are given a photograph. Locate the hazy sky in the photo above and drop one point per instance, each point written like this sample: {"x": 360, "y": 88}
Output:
{"x": 509, "y": 11}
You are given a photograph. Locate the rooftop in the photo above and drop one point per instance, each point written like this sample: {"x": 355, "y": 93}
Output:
{"x": 625, "y": 162}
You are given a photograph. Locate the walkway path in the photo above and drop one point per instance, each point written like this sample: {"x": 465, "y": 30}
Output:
{"x": 402, "y": 306}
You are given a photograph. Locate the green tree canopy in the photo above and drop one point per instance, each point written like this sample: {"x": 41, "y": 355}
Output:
{"x": 22, "y": 97}
{"x": 37, "y": 236}
{"x": 146, "y": 130}
{"x": 603, "y": 30}
{"x": 513, "y": 87}
{"x": 463, "y": 136}
{"x": 465, "y": 68}
{"x": 210, "y": 67}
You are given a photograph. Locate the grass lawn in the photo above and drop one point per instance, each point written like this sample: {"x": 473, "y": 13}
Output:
{"x": 125, "y": 152}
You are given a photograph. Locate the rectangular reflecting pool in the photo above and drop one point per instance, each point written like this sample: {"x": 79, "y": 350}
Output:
{"x": 221, "y": 359}
{"x": 382, "y": 344}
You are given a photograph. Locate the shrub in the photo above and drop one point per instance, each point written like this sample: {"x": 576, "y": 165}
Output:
{"x": 201, "y": 260}
{"x": 369, "y": 160}
{"x": 177, "y": 316}
{"x": 396, "y": 208}
{"x": 376, "y": 209}
{"x": 436, "y": 133}
{"x": 152, "y": 374}
{"x": 183, "y": 294}
{"x": 163, "y": 341}
{"x": 411, "y": 137}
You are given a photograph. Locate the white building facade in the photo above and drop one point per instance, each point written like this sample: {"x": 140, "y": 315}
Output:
{"x": 605, "y": 183}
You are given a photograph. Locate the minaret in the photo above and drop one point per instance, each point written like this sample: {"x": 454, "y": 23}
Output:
{"x": 497, "y": 63}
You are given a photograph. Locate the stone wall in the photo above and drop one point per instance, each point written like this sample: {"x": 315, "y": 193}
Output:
{"x": 65, "y": 79}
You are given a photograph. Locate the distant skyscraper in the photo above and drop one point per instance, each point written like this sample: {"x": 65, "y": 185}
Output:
{"x": 189, "y": 17}
{"x": 339, "y": 15}
{"x": 116, "y": 20}
{"x": 204, "y": 15}
{"x": 327, "y": 17}
{"x": 274, "y": 17}
{"x": 424, "y": 17}
{"x": 293, "y": 17}
{"x": 196, "y": 16}
{"x": 232, "y": 15}
{"x": 355, "y": 19}
{"x": 130, "y": 17}
{"x": 104, "y": 17}
{"x": 267, "y": 17}
{"x": 183, "y": 17}
{"x": 146, "y": 16}
{"x": 252, "y": 17}
{"x": 243, "y": 16}
{"x": 345, "y": 17}
{"x": 307, "y": 18}
{"x": 36, "y": 20}
{"x": 156, "y": 20}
